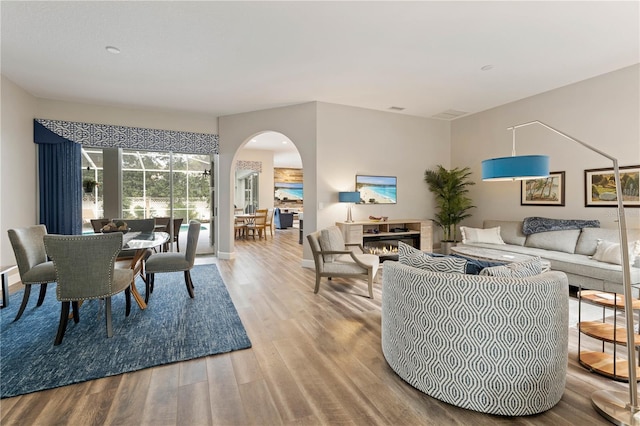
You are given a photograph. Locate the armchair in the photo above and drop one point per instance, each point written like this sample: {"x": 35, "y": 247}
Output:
{"x": 333, "y": 259}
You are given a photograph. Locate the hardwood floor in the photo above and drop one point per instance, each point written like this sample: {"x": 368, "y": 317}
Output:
{"x": 316, "y": 359}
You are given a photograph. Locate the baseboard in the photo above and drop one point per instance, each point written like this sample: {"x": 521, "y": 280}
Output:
{"x": 308, "y": 263}
{"x": 226, "y": 255}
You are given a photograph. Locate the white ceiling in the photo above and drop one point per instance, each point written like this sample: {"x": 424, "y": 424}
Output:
{"x": 222, "y": 58}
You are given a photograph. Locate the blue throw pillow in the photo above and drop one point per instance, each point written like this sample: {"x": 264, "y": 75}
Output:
{"x": 474, "y": 266}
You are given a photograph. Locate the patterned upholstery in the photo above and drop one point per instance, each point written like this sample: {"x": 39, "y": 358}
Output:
{"x": 491, "y": 344}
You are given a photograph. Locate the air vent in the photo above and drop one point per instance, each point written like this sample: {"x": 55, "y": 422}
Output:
{"x": 395, "y": 108}
{"x": 449, "y": 114}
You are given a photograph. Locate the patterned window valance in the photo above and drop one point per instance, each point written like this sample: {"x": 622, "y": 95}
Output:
{"x": 256, "y": 166}
{"x": 110, "y": 136}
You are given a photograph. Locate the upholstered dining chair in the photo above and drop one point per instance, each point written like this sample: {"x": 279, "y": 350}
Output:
{"x": 259, "y": 224}
{"x": 174, "y": 262}
{"x": 333, "y": 258}
{"x": 84, "y": 266}
{"x": 33, "y": 265}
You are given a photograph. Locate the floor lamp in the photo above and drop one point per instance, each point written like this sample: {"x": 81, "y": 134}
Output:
{"x": 617, "y": 407}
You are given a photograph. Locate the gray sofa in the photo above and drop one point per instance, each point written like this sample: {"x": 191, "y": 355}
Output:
{"x": 496, "y": 345}
{"x": 568, "y": 251}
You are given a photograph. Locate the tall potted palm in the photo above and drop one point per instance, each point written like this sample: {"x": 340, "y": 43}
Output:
{"x": 450, "y": 188}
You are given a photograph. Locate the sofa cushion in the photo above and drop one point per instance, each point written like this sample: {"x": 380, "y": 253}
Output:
{"x": 524, "y": 269}
{"x": 478, "y": 235}
{"x": 609, "y": 252}
{"x": 331, "y": 240}
{"x": 589, "y": 238}
{"x": 564, "y": 241}
{"x": 510, "y": 231}
{"x": 411, "y": 256}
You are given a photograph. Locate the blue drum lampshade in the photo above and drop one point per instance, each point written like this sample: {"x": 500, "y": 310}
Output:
{"x": 517, "y": 167}
{"x": 349, "y": 197}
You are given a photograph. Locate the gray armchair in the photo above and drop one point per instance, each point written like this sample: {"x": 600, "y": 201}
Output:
{"x": 333, "y": 258}
{"x": 84, "y": 266}
{"x": 33, "y": 265}
{"x": 174, "y": 262}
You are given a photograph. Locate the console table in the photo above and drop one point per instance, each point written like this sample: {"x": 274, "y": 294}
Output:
{"x": 367, "y": 231}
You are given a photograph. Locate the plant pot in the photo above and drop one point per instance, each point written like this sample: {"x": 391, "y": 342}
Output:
{"x": 445, "y": 246}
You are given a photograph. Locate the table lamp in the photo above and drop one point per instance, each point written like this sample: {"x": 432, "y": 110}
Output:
{"x": 349, "y": 197}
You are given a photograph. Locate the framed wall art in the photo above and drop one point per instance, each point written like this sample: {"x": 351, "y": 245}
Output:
{"x": 547, "y": 191}
{"x": 600, "y": 187}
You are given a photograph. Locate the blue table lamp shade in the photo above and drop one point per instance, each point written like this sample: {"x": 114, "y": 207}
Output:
{"x": 349, "y": 197}
{"x": 516, "y": 167}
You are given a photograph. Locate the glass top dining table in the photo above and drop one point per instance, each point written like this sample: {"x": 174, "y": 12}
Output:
{"x": 141, "y": 242}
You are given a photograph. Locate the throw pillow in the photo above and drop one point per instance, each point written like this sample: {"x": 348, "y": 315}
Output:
{"x": 479, "y": 235}
{"x": 331, "y": 240}
{"x": 411, "y": 256}
{"x": 609, "y": 252}
{"x": 524, "y": 269}
{"x": 474, "y": 266}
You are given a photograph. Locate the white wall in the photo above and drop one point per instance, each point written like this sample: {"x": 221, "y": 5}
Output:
{"x": 361, "y": 141}
{"x": 335, "y": 143}
{"x": 603, "y": 112}
{"x": 298, "y": 123}
{"x": 18, "y": 207}
{"x": 265, "y": 179}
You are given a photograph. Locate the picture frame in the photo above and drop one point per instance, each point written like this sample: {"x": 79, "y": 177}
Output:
{"x": 548, "y": 191}
{"x": 600, "y": 189}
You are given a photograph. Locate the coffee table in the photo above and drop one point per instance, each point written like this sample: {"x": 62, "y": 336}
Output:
{"x": 493, "y": 255}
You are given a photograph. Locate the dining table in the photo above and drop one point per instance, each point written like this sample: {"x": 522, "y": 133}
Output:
{"x": 140, "y": 242}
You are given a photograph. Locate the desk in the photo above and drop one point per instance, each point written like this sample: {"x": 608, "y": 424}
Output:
{"x": 140, "y": 242}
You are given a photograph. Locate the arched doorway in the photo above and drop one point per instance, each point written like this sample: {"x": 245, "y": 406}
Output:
{"x": 268, "y": 174}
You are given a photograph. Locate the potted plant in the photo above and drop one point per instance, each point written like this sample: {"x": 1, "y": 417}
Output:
{"x": 453, "y": 204}
{"x": 89, "y": 185}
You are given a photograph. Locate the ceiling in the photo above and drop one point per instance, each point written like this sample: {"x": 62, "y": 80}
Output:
{"x": 221, "y": 58}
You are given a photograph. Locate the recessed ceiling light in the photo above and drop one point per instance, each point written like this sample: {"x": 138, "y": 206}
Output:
{"x": 487, "y": 67}
{"x": 112, "y": 49}
{"x": 284, "y": 142}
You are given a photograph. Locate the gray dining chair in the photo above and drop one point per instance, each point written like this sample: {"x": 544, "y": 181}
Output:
{"x": 84, "y": 266}
{"x": 174, "y": 262}
{"x": 33, "y": 265}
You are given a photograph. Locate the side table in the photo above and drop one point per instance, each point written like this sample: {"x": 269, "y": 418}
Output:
{"x": 4, "y": 270}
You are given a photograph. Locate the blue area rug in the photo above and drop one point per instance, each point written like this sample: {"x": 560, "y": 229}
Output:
{"x": 173, "y": 328}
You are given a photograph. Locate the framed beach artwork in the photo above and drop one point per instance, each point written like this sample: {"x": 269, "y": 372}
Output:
{"x": 548, "y": 191}
{"x": 288, "y": 191}
{"x": 600, "y": 187}
{"x": 377, "y": 189}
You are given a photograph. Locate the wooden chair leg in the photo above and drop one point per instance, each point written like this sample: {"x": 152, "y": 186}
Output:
{"x": 43, "y": 293}
{"x": 317, "y": 284}
{"x": 25, "y": 299}
{"x": 107, "y": 310}
{"x": 64, "y": 315}
{"x": 370, "y": 285}
{"x": 189, "y": 284}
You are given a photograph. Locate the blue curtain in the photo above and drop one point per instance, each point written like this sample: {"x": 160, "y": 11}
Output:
{"x": 60, "y": 179}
